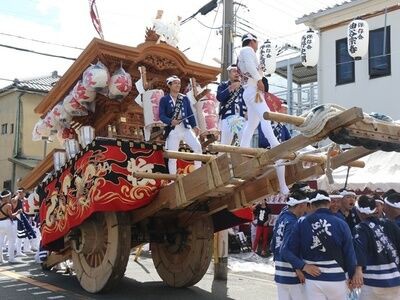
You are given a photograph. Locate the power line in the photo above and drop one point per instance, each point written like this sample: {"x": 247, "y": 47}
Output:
{"x": 36, "y": 52}
{"x": 40, "y": 41}
{"x": 209, "y": 34}
{"x": 207, "y": 25}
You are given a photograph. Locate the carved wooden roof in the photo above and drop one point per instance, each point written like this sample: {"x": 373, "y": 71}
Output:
{"x": 160, "y": 60}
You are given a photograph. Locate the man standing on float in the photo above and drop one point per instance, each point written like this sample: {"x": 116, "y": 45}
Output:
{"x": 176, "y": 113}
{"x": 232, "y": 107}
{"x": 253, "y": 95}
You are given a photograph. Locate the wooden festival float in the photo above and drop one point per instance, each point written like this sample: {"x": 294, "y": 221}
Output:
{"x": 114, "y": 193}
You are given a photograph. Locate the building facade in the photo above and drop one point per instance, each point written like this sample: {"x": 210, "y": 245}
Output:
{"x": 372, "y": 82}
{"x": 19, "y": 154}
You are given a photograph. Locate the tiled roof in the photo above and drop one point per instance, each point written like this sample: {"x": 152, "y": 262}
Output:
{"x": 325, "y": 11}
{"x": 39, "y": 84}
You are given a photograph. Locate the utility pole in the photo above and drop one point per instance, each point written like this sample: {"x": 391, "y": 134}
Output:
{"x": 221, "y": 237}
{"x": 227, "y": 37}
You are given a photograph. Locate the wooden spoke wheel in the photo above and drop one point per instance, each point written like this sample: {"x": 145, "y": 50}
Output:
{"x": 101, "y": 250}
{"x": 184, "y": 258}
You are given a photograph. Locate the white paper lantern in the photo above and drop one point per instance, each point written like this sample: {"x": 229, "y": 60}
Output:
{"x": 73, "y": 107}
{"x": 81, "y": 93}
{"x": 96, "y": 77}
{"x": 71, "y": 147}
{"x": 268, "y": 57}
{"x": 310, "y": 49}
{"x": 357, "y": 38}
{"x": 40, "y": 130}
{"x": 120, "y": 84}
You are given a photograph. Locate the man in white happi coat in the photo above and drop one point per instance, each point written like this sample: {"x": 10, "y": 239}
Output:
{"x": 253, "y": 95}
{"x": 176, "y": 113}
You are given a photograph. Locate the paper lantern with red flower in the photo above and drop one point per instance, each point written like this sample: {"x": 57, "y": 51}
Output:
{"x": 40, "y": 130}
{"x": 96, "y": 77}
{"x": 120, "y": 84}
{"x": 81, "y": 93}
{"x": 73, "y": 107}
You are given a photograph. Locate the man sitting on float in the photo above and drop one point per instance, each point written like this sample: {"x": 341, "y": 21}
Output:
{"x": 176, "y": 113}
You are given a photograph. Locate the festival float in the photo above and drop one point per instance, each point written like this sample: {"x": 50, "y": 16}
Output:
{"x": 109, "y": 190}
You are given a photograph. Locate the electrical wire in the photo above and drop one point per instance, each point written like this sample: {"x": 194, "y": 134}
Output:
{"x": 36, "y": 52}
{"x": 209, "y": 34}
{"x": 201, "y": 23}
{"x": 40, "y": 41}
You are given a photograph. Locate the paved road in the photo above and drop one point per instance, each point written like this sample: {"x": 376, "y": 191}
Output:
{"x": 26, "y": 280}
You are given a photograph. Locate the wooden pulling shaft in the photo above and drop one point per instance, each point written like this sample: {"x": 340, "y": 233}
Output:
{"x": 234, "y": 149}
{"x": 188, "y": 156}
{"x": 155, "y": 175}
{"x": 283, "y": 118}
{"x": 320, "y": 159}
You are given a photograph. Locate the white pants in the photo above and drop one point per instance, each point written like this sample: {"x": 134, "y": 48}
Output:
{"x": 253, "y": 230}
{"x": 291, "y": 291}
{"x": 326, "y": 290}
{"x": 227, "y": 134}
{"x": 178, "y": 134}
{"x": 255, "y": 115}
{"x": 379, "y": 293}
{"x": 7, "y": 229}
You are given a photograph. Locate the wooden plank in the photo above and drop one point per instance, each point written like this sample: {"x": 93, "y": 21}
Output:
{"x": 389, "y": 133}
{"x": 343, "y": 119}
{"x": 188, "y": 156}
{"x": 57, "y": 257}
{"x": 234, "y": 149}
{"x": 349, "y": 155}
{"x": 283, "y": 118}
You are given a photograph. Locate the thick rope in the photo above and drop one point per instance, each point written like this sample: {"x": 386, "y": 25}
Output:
{"x": 316, "y": 118}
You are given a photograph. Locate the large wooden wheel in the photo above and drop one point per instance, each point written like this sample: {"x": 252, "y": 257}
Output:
{"x": 101, "y": 250}
{"x": 184, "y": 258}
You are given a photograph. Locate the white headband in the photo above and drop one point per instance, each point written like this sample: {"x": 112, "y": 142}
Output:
{"x": 365, "y": 210}
{"x": 335, "y": 196}
{"x": 395, "y": 205}
{"x": 319, "y": 197}
{"x": 4, "y": 196}
{"x": 379, "y": 200}
{"x": 249, "y": 36}
{"x": 172, "y": 79}
{"x": 347, "y": 193}
{"x": 294, "y": 201}
{"x": 231, "y": 68}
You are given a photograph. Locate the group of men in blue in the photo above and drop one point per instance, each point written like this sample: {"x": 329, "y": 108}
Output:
{"x": 324, "y": 253}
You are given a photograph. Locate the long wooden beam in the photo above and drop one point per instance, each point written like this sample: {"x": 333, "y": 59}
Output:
{"x": 320, "y": 159}
{"x": 188, "y": 156}
{"x": 283, "y": 118}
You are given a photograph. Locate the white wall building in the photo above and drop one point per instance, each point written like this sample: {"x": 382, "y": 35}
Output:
{"x": 373, "y": 82}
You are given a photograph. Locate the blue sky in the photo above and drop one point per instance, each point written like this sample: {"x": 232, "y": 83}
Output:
{"x": 28, "y": 10}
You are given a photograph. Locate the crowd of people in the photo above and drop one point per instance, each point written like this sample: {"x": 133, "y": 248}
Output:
{"x": 327, "y": 245}
{"x": 19, "y": 228}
